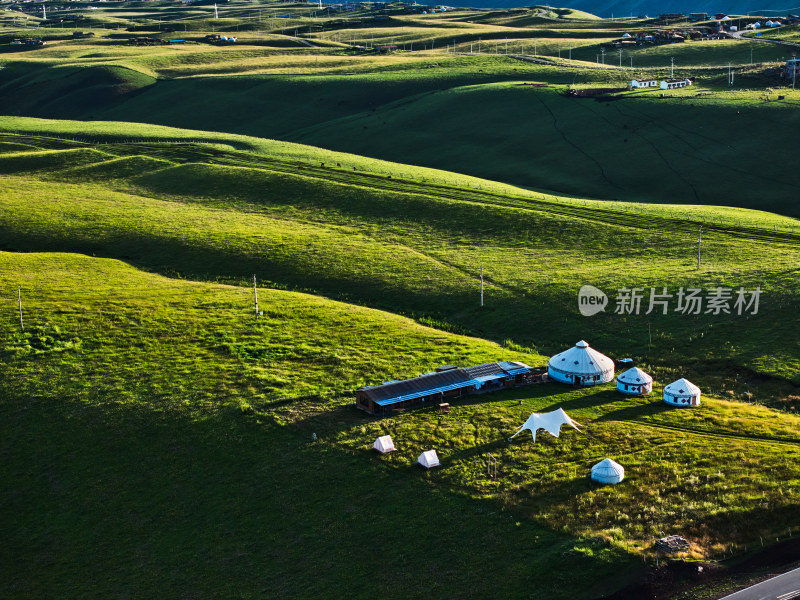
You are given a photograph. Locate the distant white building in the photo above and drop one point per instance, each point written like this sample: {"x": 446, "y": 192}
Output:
{"x": 671, "y": 84}
{"x": 644, "y": 83}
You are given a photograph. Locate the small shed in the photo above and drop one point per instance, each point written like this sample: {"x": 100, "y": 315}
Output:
{"x": 682, "y": 393}
{"x": 384, "y": 444}
{"x": 428, "y": 459}
{"x": 608, "y": 471}
{"x": 635, "y": 382}
{"x": 672, "y": 543}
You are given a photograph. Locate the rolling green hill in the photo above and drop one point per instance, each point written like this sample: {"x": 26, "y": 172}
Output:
{"x": 440, "y": 202}
{"x": 698, "y": 146}
{"x": 401, "y": 243}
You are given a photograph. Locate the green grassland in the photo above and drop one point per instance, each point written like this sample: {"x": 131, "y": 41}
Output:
{"x": 402, "y": 243}
{"x": 148, "y": 451}
{"x": 161, "y": 389}
{"x": 689, "y": 147}
{"x": 155, "y": 432}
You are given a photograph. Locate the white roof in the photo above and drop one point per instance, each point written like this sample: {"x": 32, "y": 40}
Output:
{"x": 384, "y": 444}
{"x": 634, "y": 376}
{"x": 608, "y": 471}
{"x": 682, "y": 387}
{"x": 583, "y": 360}
{"x": 551, "y": 422}
{"x": 428, "y": 459}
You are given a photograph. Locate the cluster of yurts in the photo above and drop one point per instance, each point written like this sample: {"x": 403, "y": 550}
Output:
{"x": 583, "y": 365}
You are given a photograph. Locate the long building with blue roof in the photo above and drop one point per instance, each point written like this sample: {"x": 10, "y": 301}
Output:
{"x": 444, "y": 383}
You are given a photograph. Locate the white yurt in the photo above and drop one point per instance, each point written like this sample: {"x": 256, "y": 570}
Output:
{"x": 608, "y": 471}
{"x": 682, "y": 393}
{"x": 428, "y": 459}
{"x": 635, "y": 382}
{"x": 581, "y": 365}
{"x": 384, "y": 444}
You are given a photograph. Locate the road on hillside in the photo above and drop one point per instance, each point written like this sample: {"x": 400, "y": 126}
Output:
{"x": 782, "y": 587}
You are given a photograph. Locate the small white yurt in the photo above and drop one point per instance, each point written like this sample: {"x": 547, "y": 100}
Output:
{"x": 581, "y": 365}
{"x": 384, "y": 444}
{"x": 428, "y": 459}
{"x": 635, "y": 382}
{"x": 682, "y": 393}
{"x": 608, "y": 471}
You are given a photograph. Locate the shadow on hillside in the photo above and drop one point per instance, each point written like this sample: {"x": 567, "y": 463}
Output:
{"x": 631, "y": 413}
{"x": 235, "y": 502}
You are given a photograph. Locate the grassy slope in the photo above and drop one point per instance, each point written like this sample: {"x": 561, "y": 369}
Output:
{"x": 153, "y": 456}
{"x": 161, "y": 390}
{"x": 409, "y": 247}
{"x": 674, "y": 149}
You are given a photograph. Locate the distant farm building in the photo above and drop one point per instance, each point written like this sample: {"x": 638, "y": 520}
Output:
{"x": 581, "y": 365}
{"x": 672, "y": 84}
{"x": 644, "y": 83}
{"x": 682, "y": 393}
{"x": 699, "y": 16}
{"x": 792, "y": 68}
{"x": 635, "y": 382}
{"x": 431, "y": 389}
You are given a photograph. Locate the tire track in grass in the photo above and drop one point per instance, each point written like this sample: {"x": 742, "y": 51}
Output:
{"x": 655, "y": 148}
{"x": 721, "y": 165}
{"x": 718, "y": 434}
{"x": 573, "y": 144}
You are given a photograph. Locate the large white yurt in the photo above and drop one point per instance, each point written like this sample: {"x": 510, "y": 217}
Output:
{"x": 608, "y": 471}
{"x": 581, "y": 365}
{"x": 635, "y": 382}
{"x": 428, "y": 459}
{"x": 682, "y": 393}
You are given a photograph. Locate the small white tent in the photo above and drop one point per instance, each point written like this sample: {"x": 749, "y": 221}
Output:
{"x": 581, "y": 365}
{"x": 384, "y": 444}
{"x": 551, "y": 422}
{"x": 428, "y": 459}
{"x": 608, "y": 471}
{"x": 635, "y": 381}
{"x": 682, "y": 393}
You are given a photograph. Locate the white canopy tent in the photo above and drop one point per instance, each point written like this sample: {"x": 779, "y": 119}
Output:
{"x": 428, "y": 459}
{"x": 551, "y": 422}
{"x": 635, "y": 381}
{"x": 608, "y": 471}
{"x": 384, "y": 444}
{"x": 581, "y": 365}
{"x": 682, "y": 393}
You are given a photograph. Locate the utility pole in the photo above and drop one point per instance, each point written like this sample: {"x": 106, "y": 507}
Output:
{"x": 620, "y": 58}
{"x": 570, "y": 50}
{"x": 19, "y": 300}
{"x": 672, "y": 67}
{"x": 481, "y": 286}
{"x": 699, "y": 244}
{"x": 255, "y": 294}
